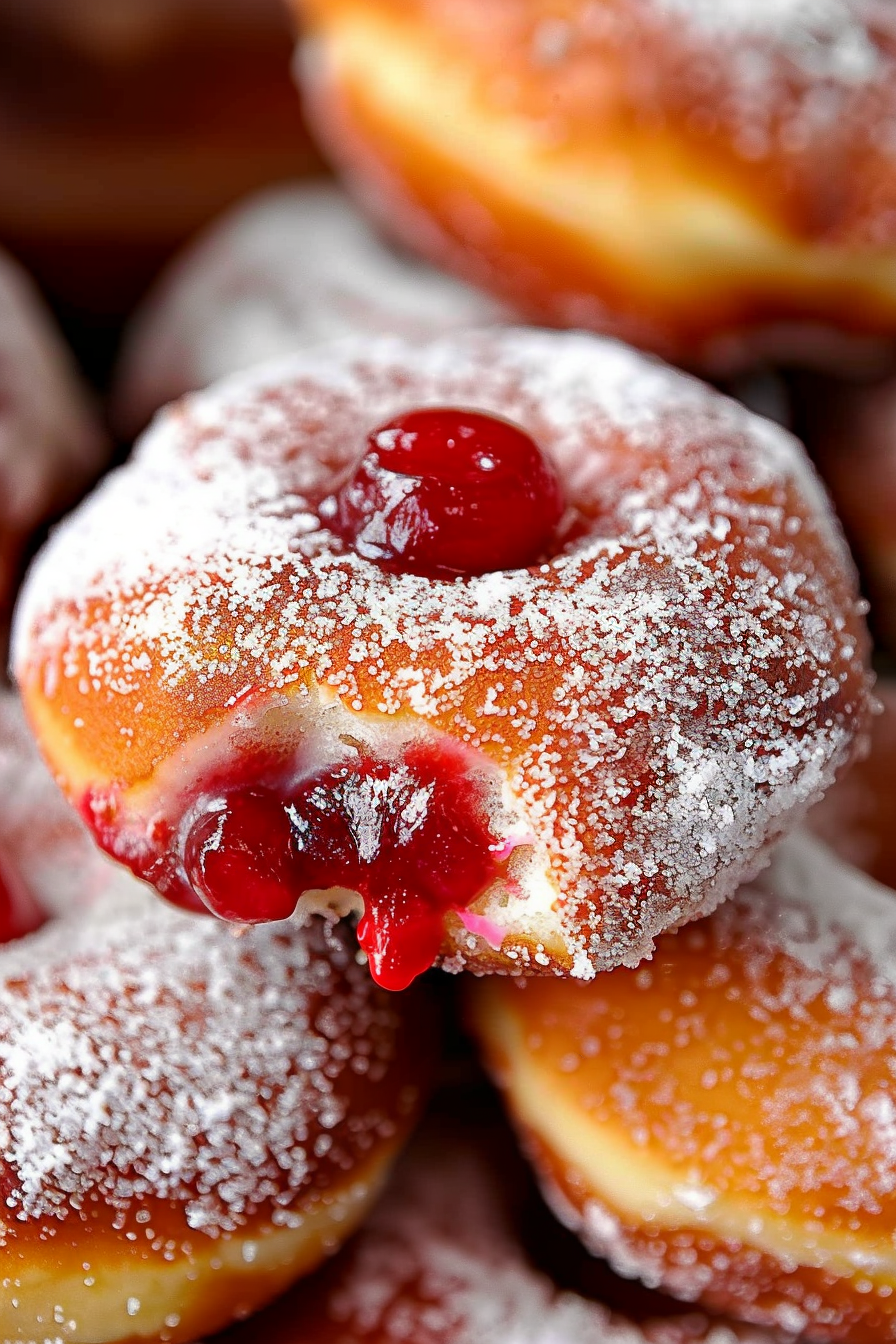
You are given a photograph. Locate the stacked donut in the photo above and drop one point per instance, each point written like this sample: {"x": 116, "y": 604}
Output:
{"x": 520, "y": 646}
{"x": 509, "y": 652}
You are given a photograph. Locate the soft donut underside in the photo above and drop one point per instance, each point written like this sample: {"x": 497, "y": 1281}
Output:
{"x": 100, "y": 1290}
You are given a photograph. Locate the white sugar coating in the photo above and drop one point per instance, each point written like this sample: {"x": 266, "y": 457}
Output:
{"x": 827, "y": 38}
{"x": 809, "y": 80}
{"x": 794, "y": 76}
{"x": 147, "y": 1054}
{"x": 441, "y": 1262}
{"x": 794, "y": 1111}
{"x": 42, "y": 839}
{"x": 288, "y": 269}
{"x": 826, "y": 915}
{"x": 50, "y": 440}
{"x": 663, "y": 698}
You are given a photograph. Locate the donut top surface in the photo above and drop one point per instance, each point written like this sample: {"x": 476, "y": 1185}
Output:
{"x": 647, "y": 707}
{"x": 153, "y": 1061}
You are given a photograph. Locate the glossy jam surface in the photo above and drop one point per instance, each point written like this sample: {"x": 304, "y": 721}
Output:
{"x": 409, "y": 835}
{"x": 445, "y": 491}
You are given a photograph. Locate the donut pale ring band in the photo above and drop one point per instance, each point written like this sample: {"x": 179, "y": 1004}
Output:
{"x": 707, "y": 178}
{"x": 719, "y": 1121}
{"x": 46, "y": 852}
{"x": 441, "y": 1261}
{"x": 632, "y": 721}
{"x": 190, "y": 1120}
{"x": 285, "y": 270}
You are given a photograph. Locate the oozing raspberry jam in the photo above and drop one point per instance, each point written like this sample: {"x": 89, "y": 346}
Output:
{"x": 444, "y": 491}
{"x": 408, "y": 835}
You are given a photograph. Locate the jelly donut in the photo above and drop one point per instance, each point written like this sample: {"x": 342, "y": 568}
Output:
{"x": 126, "y": 126}
{"x": 442, "y": 1261}
{"x": 850, "y": 429}
{"x": 190, "y": 1120}
{"x": 720, "y": 1121}
{"x": 51, "y": 445}
{"x": 711, "y": 179}
{"x": 526, "y": 683}
{"x": 285, "y": 270}
{"x": 856, "y": 817}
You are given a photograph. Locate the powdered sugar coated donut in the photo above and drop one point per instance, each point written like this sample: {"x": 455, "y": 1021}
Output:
{"x": 190, "y": 1120}
{"x": 719, "y": 1122}
{"x": 622, "y": 729}
{"x": 442, "y": 1260}
{"x": 285, "y": 270}
{"x": 712, "y": 179}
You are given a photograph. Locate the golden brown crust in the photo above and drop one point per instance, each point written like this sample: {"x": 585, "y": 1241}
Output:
{"x": 192, "y": 1120}
{"x": 709, "y": 190}
{"x": 713, "y": 1122}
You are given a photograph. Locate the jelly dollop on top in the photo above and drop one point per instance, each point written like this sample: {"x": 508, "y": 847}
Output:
{"x": 445, "y": 491}
{"x": 409, "y": 835}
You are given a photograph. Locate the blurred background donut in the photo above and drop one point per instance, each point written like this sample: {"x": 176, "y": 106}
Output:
{"x": 124, "y": 126}
{"x": 711, "y": 179}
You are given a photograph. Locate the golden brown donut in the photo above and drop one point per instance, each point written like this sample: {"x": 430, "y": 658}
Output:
{"x": 720, "y": 1120}
{"x": 541, "y": 767}
{"x": 442, "y": 1260}
{"x": 190, "y": 1120}
{"x": 125, "y": 125}
{"x": 712, "y": 179}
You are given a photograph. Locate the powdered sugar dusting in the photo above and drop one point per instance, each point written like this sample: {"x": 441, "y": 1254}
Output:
{"x": 146, "y": 1054}
{"x": 42, "y": 839}
{"x": 752, "y": 1065}
{"x": 441, "y": 1262}
{"x": 288, "y": 270}
{"x": 663, "y": 697}
{"x": 786, "y": 74}
{"x": 828, "y": 38}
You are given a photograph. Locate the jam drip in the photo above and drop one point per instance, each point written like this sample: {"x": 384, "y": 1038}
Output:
{"x": 444, "y": 491}
{"x": 409, "y": 835}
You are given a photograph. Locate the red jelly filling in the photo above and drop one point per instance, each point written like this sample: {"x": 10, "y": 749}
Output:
{"x": 408, "y": 835}
{"x": 443, "y": 491}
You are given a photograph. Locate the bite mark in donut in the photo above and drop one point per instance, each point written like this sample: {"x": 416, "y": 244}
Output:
{"x": 649, "y": 706}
